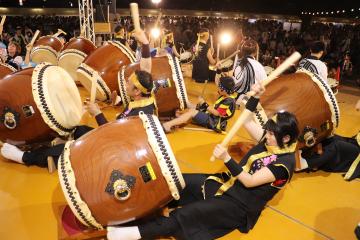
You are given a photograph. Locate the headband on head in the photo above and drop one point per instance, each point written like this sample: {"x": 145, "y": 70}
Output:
{"x": 223, "y": 88}
{"x": 135, "y": 80}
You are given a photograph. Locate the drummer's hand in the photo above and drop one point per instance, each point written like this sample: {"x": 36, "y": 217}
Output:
{"x": 28, "y": 47}
{"x": 141, "y": 37}
{"x": 221, "y": 153}
{"x": 92, "y": 108}
{"x": 258, "y": 88}
{"x": 218, "y": 63}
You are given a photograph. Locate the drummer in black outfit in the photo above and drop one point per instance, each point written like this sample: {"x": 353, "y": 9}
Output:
{"x": 214, "y": 205}
{"x": 203, "y": 57}
{"x": 120, "y": 35}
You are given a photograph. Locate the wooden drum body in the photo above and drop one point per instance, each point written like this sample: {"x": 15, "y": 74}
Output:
{"x": 309, "y": 98}
{"x": 38, "y": 103}
{"x": 6, "y": 69}
{"x": 170, "y": 91}
{"x": 119, "y": 172}
{"x": 46, "y": 49}
{"x": 106, "y": 60}
{"x": 74, "y": 53}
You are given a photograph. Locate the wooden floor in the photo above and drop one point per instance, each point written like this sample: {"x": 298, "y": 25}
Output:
{"x": 313, "y": 206}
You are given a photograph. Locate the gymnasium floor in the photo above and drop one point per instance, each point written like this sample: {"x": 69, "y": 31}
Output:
{"x": 313, "y": 206}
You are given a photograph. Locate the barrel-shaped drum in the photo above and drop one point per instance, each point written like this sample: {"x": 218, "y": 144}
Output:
{"x": 6, "y": 69}
{"x": 119, "y": 172}
{"x": 169, "y": 86}
{"x": 106, "y": 60}
{"x": 307, "y": 96}
{"x": 37, "y": 104}
{"x": 73, "y": 54}
{"x": 46, "y": 49}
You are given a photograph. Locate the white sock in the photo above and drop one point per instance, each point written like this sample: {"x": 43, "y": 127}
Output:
{"x": 303, "y": 163}
{"x": 123, "y": 233}
{"x": 12, "y": 153}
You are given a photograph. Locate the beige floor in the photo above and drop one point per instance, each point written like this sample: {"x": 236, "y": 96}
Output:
{"x": 312, "y": 206}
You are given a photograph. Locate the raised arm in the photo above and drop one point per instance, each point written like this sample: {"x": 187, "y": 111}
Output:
{"x": 145, "y": 61}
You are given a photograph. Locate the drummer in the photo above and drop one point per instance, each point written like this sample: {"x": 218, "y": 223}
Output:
{"x": 212, "y": 117}
{"x": 168, "y": 44}
{"x": 213, "y": 205}
{"x": 120, "y": 35}
{"x": 203, "y": 57}
{"x": 14, "y": 59}
{"x": 248, "y": 70}
{"x": 313, "y": 63}
{"x": 139, "y": 87}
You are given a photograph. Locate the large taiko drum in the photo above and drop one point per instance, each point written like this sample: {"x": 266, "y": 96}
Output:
{"x": 106, "y": 60}
{"x": 119, "y": 172}
{"x": 37, "y": 104}
{"x": 307, "y": 96}
{"x": 169, "y": 85}
{"x": 46, "y": 49}
{"x": 6, "y": 69}
{"x": 73, "y": 54}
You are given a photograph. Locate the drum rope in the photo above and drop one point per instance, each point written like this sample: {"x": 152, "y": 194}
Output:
{"x": 71, "y": 193}
{"x": 179, "y": 81}
{"x": 164, "y": 152}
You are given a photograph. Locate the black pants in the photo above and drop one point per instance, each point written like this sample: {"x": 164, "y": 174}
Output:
{"x": 39, "y": 156}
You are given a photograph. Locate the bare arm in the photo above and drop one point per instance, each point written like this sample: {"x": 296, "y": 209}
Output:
{"x": 175, "y": 51}
{"x": 212, "y": 61}
{"x": 145, "y": 61}
{"x": 255, "y": 130}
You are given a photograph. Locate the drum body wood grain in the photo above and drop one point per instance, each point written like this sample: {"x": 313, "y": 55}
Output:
{"x": 106, "y": 60}
{"x": 309, "y": 98}
{"x": 92, "y": 167}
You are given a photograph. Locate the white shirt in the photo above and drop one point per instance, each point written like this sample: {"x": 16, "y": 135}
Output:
{"x": 320, "y": 68}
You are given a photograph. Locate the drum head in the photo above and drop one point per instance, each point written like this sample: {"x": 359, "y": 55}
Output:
{"x": 60, "y": 105}
{"x": 84, "y": 76}
{"x": 44, "y": 54}
{"x": 70, "y": 60}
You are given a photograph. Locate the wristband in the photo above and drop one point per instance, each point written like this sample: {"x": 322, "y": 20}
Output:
{"x": 233, "y": 167}
{"x": 145, "y": 51}
{"x": 252, "y": 104}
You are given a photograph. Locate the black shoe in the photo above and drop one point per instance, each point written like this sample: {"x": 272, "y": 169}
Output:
{"x": 357, "y": 232}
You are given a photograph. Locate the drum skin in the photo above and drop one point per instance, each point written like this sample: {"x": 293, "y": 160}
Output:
{"x": 107, "y": 60}
{"x": 5, "y": 69}
{"x": 81, "y": 44}
{"x": 299, "y": 94}
{"x": 166, "y": 99}
{"x": 121, "y": 145}
{"x": 15, "y": 92}
{"x": 49, "y": 41}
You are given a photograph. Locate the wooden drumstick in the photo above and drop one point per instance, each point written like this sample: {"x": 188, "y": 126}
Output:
{"x": 218, "y": 51}
{"x": 158, "y": 20}
{"x": 60, "y": 31}
{"x": 29, "y": 47}
{"x": 134, "y": 9}
{"x": 211, "y": 42}
{"x": 95, "y": 76}
{"x": 246, "y": 113}
{"x": 229, "y": 57}
{"x": 2, "y": 23}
